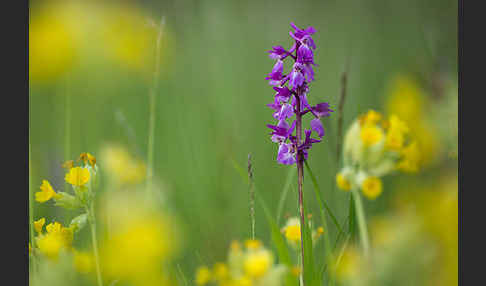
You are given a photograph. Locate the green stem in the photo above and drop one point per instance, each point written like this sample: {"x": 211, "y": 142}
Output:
{"x": 31, "y": 210}
{"x": 152, "y": 110}
{"x": 94, "y": 241}
{"x": 67, "y": 130}
{"x": 360, "y": 215}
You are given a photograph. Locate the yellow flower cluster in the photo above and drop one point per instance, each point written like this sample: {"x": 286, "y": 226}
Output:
{"x": 374, "y": 147}
{"x": 292, "y": 233}
{"x": 122, "y": 167}
{"x": 55, "y": 239}
{"x": 252, "y": 265}
{"x": 141, "y": 240}
{"x": 408, "y": 101}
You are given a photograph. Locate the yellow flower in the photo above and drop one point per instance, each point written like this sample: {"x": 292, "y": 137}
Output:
{"x": 78, "y": 176}
{"x": 253, "y": 244}
{"x": 292, "y": 233}
{"x": 122, "y": 166}
{"x": 220, "y": 271}
{"x": 56, "y": 238}
{"x": 320, "y": 230}
{"x": 395, "y": 136}
{"x": 87, "y": 158}
{"x": 83, "y": 262}
{"x": 49, "y": 59}
{"x": 342, "y": 182}
{"x": 371, "y": 134}
{"x": 38, "y": 224}
{"x": 50, "y": 245}
{"x": 410, "y": 158}
{"x": 371, "y": 187}
{"x": 203, "y": 275}
{"x": 46, "y": 193}
{"x": 257, "y": 263}
{"x": 370, "y": 118}
{"x": 54, "y": 228}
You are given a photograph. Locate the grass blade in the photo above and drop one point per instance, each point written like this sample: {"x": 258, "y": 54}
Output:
{"x": 322, "y": 204}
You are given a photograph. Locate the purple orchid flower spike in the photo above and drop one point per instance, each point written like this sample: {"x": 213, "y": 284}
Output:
{"x": 291, "y": 100}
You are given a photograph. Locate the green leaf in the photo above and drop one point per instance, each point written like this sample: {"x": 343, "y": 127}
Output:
{"x": 322, "y": 204}
{"x": 277, "y": 238}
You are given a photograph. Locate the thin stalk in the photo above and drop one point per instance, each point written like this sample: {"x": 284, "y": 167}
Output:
{"x": 342, "y": 98}
{"x": 31, "y": 209}
{"x": 94, "y": 241}
{"x": 300, "y": 174}
{"x": 360, "y": 216}
{"x": 152, "y": 110}
{"x": 251, "y": 192}
{"x": 67, "y": 128}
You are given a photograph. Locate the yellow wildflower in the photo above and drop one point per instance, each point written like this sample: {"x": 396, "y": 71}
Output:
{"x": 253, "y": 244}
{"x": 203, "y": 275}
{"x": 371, "y": 134}
{"x": 395, "y": 136}
{"x": 87, "y": 158}
{"x": 220, "y": 271}
{"x": 49, "y": 59}
{"x": 292, "y": 233}
{"x": 410, "y": 158}
{"x": 46, "y": 193}
{"x": 38, "y": 224}
{"x": 320, "y": 230}
{"x": 78, "y": 176}
{"x": 56, "y": 238}
{"x": 83, "y": 262}
{"x": 371, "y": 187}
{"x": 370, "y": 118}
{"x": 125, "y": 168}
{"x": 342, "y": 182}
{"x": 54, "y": 228}
{"x": 257, "y": 263}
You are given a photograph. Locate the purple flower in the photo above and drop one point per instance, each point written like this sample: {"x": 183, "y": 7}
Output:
{"x": 282, "y": 131}
{"x": 316, "y": 125}
{"x": 304, "y": 147}
{"x": 286, "y": 97}
{"x": 296, "y": 76}
{"x": 283, "y": 93}
{"x": 300, "y": 35}
{"x": 276, "y": 75}
{"x": 276, "y": 52}
{"x": 286, "y": 154}
{"x": 305, "y": 55}
{"x": 286, "y": 111}
{"x": 322, "y": 109}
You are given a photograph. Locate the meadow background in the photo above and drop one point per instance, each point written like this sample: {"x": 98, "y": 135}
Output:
{"x": 98, "y": 58}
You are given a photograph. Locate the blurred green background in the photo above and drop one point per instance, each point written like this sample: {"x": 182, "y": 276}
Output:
{"x": 210, "y": 105}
